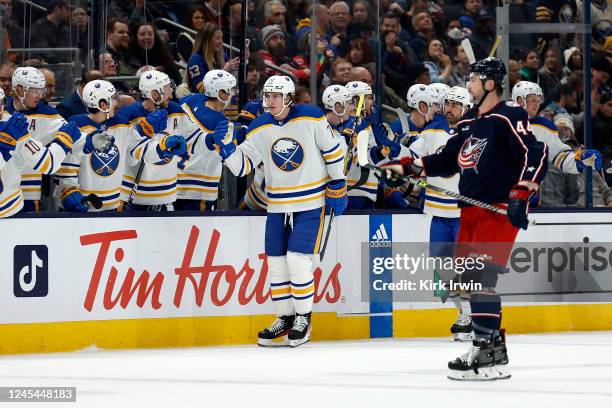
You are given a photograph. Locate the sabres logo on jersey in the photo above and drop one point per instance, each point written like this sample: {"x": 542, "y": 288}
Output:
{"x": 105, "y": 162}
{"x": 287, "y": 154}
{"x": 470, "y": 153}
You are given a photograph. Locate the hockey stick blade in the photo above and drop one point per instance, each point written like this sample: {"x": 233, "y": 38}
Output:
{"x": 94, "y": 200}
{"x": 469, "y": 52}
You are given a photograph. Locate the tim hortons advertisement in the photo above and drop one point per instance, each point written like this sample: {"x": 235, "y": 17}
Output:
{"x": 122, "y": 268}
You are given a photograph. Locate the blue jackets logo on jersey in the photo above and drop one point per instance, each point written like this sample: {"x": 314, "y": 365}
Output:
{"x": 105, "y": 162}
{"x": 470, "y": 153}
{"x": 287, "y": 154}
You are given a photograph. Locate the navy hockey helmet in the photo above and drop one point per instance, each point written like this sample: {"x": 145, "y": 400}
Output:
{"x": 490, "y": 68}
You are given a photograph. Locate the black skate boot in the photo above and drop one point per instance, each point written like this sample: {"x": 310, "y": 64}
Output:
{"x": 501, "y": 353}
{"x": 278, "y": 329}
{"x": 478, "y": 364}
{"x": 300, "y": 332}
{"x": 462, "y": 329}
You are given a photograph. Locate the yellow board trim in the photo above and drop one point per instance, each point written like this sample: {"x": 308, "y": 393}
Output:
{"x": 167, "y": 332}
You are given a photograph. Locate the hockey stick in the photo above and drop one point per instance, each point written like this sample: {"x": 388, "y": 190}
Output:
{"x": 469, "y": 52}
{"x": 495, "y": 45}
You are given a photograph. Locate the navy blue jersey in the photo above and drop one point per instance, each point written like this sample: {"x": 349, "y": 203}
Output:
{"x": 492, "y": 152}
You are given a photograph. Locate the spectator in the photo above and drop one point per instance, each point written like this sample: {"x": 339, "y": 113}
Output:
{"x": 14, "y": 37}
{"x": 471, "y": 9}
{"x": 514, "y": 72}
{"x": 550, "y": 73}
{"x": 212, "y": 11}
{"x": 273, "y": 38}
{"x": 602, "y": 194}
{"x": 79, "y": 23}
{"x": 296, "y": 11}
{"x": 573, "y": 62}
{"x": 108, "y": 66}
{"x": 207, "y": 54}
{"x": 389, "y": 97}
{"x": 302, "y": 95}
{"x": 233, "y": 27}
{"x": 558, "y": 189}
{"x": 360, "y": 52}
{"x": 323, "y": 18}
{"x": 253, "y": 78}
{"x": 530, "y": 62}
{"x": 438, "y": 63}
{"x": 340, "y": 71}
{"x": 117, "y": 44}
{"x": 184, "y": 41}
{"x": 52, "y": 32}
{"x": 275, "y": 13}
{"x": 483, "y": 35}
{"x": 362, "y": 24}
{"x": 195, "y": 18}
{"x": 602, "y": 123}
{"x": 146, "y": 48}
{"x": 423, "y": 33}
{"x": 391, "y": 23}
{"x": 564, "y": 102}
{"x": 50, "y": 85}
{"x": 325, "y": 56}
{"x": 361, "y": 74}
{"x": 461, "y": 68}
{"x": 6, "y": 77}
{"x": 73, "y": 103}
{"x": 340, "y": 13}
{"x": 600, "y": 75}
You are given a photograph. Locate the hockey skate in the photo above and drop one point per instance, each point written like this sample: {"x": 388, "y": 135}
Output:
{"x": 478, "y": 364}
{"x": 300, "y": 332}
{"x": 462, "y": 329}
{"x": 501, "y": 353}
{"x": 277, "y": 330}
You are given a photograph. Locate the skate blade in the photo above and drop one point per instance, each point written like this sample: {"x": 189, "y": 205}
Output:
{"x": 484, "y": 374}
{"x": 274, "y": 343}
{"x": 299, "y": 342}
{"x": 463, "y": 337}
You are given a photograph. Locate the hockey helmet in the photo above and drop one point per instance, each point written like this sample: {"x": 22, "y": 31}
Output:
{"x": 489, "y": 68}
{"x": 334, "y": 94}
{"x": 217, "y": 80}
{"x": 153, "y": 81}
{"x": 98, "y": 91}
{"x": 460, "y": 95}
{"x": 523, "y": 89}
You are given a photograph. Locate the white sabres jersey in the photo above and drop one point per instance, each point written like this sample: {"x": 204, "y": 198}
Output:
{"x": 158, "y": 181}
{"x": 44, "y": 122}
{"x": 300, "y": 155}
{"x": 368, "y": 189}
{"x": 255, "y": 198}
{"x": 28, "y": 154}
{"x": 101, "y": 172}
{"x": 560, "y": 155}
{"x": 199, "y": 178}
{"x": 432, "y": 140}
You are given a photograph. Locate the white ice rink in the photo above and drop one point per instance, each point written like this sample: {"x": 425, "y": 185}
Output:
{"x": 548, "y": 370}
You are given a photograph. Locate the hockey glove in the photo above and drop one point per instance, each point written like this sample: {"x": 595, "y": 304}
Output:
{"x": 171, "y": 146}
{"x": 385, "y": 138}
{"x": 336, "y": 197}
{"x": 155, "y": 122}
{"x": 250, "y": 111}
{"x": 67, "y": 134}
{"x": 72, "y": 200}
{"x": 11, "y": 132}
{"x": 224, "y": 140}
{"x": 98, "y": 140}
{"x": 588, "y": 158}
{"x": 518, "y": 205}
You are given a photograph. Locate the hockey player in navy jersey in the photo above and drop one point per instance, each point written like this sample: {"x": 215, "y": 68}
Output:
{"x": 303, "y": 164}
{"x": 199, "y": 178}
{"x": 529, "y": 96}
{"x": 29, "y": 87}
{"x": 501, "y": 163}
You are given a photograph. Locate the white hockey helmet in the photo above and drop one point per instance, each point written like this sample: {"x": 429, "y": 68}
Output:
{"x": 279, "y": 84}
{"x": 334, "y": 94}
{"x": 28, "y": 77}
{"x": 460, "y": 95}
{"x": 440, "y": 90}
{"x": 153, "y": 81}
{"x": 523, "y": 89}
{"x": 217, "y": 80}
{"x": 357, "y": 88}
{"x": 98, "y": 91}
{"x": 420, "y": 93}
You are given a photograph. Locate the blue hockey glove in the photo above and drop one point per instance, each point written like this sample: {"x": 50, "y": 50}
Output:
{"x": 224, "y": 140}
{"x": 588, "y": 158}
{"x": 336, "y": 196}
{"x": 172, "y": 146}
{"x": 72, "y": 200}
{"x": 385, "y": 138}
{"x": 250, "y": 111}
{"x": 11, "y": 132}
{"x": 67, "y": 134}
{"x": 518, "y": 205}
{"x": 155, "y": 122}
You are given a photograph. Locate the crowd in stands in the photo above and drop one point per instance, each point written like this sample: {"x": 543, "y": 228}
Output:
{"x": 419, "y": 41}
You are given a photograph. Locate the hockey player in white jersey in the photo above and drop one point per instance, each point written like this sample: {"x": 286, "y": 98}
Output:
{"x": 44, "y": 122}
{"x": 198, "y": 187}
{"x": 416, "y": 117}
{"x": 20, "y": 151}
{"x": 153, "y": 187}
{"x": 303, "y": 165}
{"x": 99, "y": 168}
{"x": 529, "y": 95}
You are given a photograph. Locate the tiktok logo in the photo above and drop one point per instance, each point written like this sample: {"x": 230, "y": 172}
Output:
{"x": 30, "y": 271}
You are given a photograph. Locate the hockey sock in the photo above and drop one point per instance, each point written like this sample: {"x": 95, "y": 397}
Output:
{"x": 456, "y": 301}
{"x": 302, "y": 281}
{"x": 486, "y": 313}
{"x": 280, "y": 285}
{"x": 465, "y": 304}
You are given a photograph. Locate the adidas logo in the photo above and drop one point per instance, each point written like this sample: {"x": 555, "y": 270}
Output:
{"x": 380, "y": 239}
